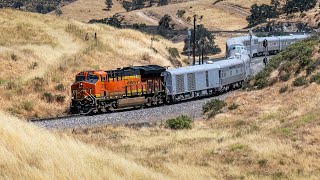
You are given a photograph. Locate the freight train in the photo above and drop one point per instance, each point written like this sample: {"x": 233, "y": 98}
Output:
{"x": 152, "y": 85}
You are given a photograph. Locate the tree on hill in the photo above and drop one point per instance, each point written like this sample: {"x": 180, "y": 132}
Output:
{"x": 204, "y": 42}
{"x": 114, "y": 21}
{"x": 260, "y": 14}
{"x": 17, "y": 4}
{"x": 162, "y": 2}
{"x": 166, "y": 22}
{"x": 40, "y": 8}
{"x": 127, "y": 5}
{"x": 275, "y": 4}
{"x": 292, "y": 6}
{"x": 58, "y": 12}
{"x": 151, "y": 2}
{"x": 137, "y": 4}
{"x": 109, "y": 4}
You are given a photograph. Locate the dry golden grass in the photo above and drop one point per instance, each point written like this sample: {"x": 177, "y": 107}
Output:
{"x": 28, "y": 152}
{"x": 248, "y": 3}
{"x": 269, "y": 136}
{"x": 55, "y": 52}
{"x": 85, "y": 10}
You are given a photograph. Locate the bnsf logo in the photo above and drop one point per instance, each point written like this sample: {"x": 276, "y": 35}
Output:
{"x": 131, "y": 82}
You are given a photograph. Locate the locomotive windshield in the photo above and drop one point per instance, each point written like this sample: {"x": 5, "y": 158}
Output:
{"x": 92, "y": 78}
{"x": 80, "y": 78}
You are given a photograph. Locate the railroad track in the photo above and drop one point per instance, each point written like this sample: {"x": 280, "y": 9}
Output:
{"x": 54, "y": 118}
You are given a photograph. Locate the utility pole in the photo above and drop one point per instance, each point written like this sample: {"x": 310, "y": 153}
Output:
{"x": 189, "y": 46}
{"x": 199, "y": 51}
{"x": 194, "y": 39}
{"x": 202, "y": 51}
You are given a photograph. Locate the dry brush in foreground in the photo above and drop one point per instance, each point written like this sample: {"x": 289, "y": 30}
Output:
{"x": 266, "y": 135}
{"x": 28, "y": 152}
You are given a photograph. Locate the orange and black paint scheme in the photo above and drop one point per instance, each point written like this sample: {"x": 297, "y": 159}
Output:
{"x": 102, "y": 91}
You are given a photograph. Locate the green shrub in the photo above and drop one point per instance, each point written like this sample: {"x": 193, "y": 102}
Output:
{"x": 174, "y": 53}
{"x": 283, "y": 89}
{"x": 180, "y": 13}
{"x": 233, "y": 106}
{"x": 315, "y": 78}
{"x": 300, "y": 81}
{"x": 285, "y": 76}
{"x": 27, "y": 105}
{"x": 38, "y": 84}
{"x": 48, "y": 97}
{"x": 59, "y": 87}
{"x": 313, "y": 66}
{"x": 60, "y": 98}
{"x": 181, "y": 122}
{"x": 261, "y": 83}
{"x": 262, "y": 162}
{"x": 214, "y": 104}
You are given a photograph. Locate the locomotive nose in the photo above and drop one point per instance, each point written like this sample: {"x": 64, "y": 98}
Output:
{"x": 81, "y": 90}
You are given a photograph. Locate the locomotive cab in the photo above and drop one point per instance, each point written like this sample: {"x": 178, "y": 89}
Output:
{"x": 86, "y": 89}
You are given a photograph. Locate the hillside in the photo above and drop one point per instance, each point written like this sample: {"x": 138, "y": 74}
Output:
{"x": 266, "y": 134}
{"x": 41, "y": 54}
{"x": 40, "y": 6}
{"x": 214, "y": 14}
{"x": 28, "y": 152}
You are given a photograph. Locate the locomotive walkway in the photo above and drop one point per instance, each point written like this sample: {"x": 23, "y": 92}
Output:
{"x": 147, "y": 116}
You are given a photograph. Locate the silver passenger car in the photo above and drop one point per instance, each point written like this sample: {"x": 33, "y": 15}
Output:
{"x": 231, "y": 71}
{"x": 274, "y": 45}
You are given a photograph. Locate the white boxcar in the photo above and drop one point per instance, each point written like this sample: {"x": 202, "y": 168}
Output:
{"x": 189, "y": 79}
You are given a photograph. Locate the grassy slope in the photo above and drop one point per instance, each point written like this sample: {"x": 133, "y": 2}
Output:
{"x": 40, "y": 52}
{"x": 28, "y": 152}
{"x": 269, "y": 136}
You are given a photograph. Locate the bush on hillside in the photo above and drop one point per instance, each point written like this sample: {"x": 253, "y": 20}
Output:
{"x": 180, "y": 13}
{"x": 180, "y": 122}
{"x": 300, "y": 81}
{"x": 213, "y": 107}
{"x": 285, "y": 76}
{"x": 295, "y": 59}
{"x": 233, "y": 106}
{"x": 261, "y": 83}
{"x": 315, "y": 78}
{"x": 283, "y": 89}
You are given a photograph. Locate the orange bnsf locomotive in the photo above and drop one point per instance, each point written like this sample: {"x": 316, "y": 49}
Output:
{"x": 101, "y": 91}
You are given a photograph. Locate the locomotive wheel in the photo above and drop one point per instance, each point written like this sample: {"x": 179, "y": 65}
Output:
{"x": 148, "y": 101}
{"x": 154, "y": 101}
